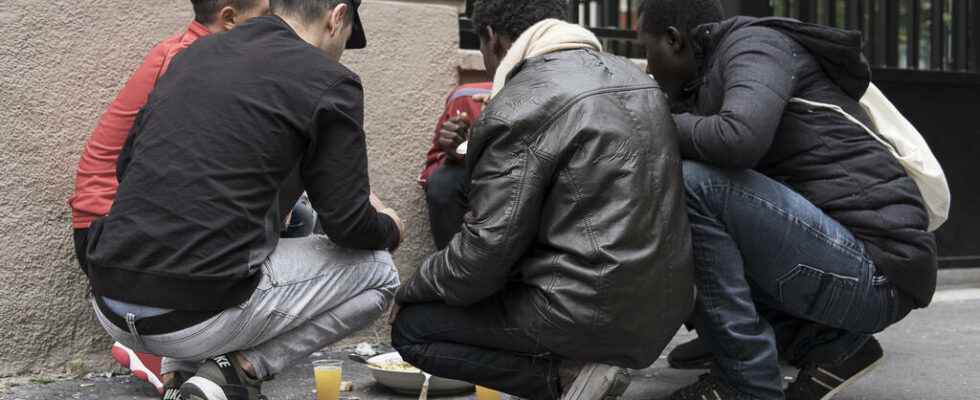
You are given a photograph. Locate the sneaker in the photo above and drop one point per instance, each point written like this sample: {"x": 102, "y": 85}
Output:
{"x": 222, "y": 378}
{"x": 171, "y": 389}
{"x": 822, "y": 382}
{"x": 597, "y": 382}
{"x": 142, "y": 365}
{"x": 709, "y": 387}
{"x": 691, "y": 355}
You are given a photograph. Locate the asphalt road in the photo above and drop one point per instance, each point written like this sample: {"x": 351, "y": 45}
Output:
{"x": 932, "y": 355}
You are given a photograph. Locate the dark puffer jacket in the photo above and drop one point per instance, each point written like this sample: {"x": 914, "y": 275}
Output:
{"x": 739, "y": 117}
{"x": 578, "y": 221}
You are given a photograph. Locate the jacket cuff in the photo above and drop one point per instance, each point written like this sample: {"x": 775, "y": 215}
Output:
{"x": 417, "y": 289}
{"x": 685, "y": 129}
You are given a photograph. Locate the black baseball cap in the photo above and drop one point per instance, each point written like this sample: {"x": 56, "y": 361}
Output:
{"x": 357, "y": 39}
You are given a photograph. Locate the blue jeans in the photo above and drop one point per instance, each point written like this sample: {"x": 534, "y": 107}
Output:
{"x": 772, "y": 266}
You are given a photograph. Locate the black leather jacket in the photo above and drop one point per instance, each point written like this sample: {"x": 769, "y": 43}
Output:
{"x": 577, "y": 216}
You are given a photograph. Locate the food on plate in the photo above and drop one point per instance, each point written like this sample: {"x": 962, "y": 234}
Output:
{"x": 396, "y": 365}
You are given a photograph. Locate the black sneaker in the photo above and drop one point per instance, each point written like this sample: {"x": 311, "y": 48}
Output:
{"x": 691, "y": 355}
{"x": 822, "y": 382}
{"x": 222, "y": 378}
{"x": 597, "y": 382}
{"x": 171, "y": 389}
{"x": 709, "y": 387}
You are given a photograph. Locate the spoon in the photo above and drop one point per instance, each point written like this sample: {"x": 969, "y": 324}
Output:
{"x": 425, "y": 386}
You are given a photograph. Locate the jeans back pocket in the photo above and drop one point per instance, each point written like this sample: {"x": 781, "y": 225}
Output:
{"x": 814, "y": 294}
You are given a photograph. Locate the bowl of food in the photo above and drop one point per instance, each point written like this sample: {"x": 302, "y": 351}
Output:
{"x": 391, "y": 371}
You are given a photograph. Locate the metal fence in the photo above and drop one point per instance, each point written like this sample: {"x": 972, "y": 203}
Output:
{"x": 613, "y": 21}
{"x": 935, "y": 35}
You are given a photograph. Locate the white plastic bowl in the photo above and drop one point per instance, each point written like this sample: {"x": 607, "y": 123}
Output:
{"x": 411, "y": 382}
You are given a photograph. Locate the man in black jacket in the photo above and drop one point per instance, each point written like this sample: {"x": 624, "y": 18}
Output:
{"x": 188, "y": 264}
{"x": 806, "y": 229}
{"x": 576, "y": 248}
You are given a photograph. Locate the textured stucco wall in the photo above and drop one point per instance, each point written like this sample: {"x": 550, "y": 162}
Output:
{"x": 407, "y": 70}
{"x": 62, "y": 61}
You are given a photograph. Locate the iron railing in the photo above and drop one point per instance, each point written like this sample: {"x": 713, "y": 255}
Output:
{"x": 935, "y": 35}
{"x": 613, "y": 21}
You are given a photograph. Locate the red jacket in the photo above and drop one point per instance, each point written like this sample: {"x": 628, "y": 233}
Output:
{"x": 460, "y": 101}
{"x": 95, "y": 180}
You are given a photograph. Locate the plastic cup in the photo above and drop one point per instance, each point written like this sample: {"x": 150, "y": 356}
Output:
{"x": 483, "y": 393}
{"x": 326, "y": 374}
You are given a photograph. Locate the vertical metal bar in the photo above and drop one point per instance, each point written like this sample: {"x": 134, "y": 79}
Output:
{"x": 573, "y": 11}
{"x": 891, "y": 32}
{"x": 870, "y": 35}
{"x": 610, "y": 13}
{"x": 808, "y": 10}
{"x": 960, "y": 34}
{"x": 937, "y": 35}
{"x": 629, "y": 16}
{"x": 852, "y": 17}
{"x": 975, "y": 26}
{"x": 830, "y": 8}
{"x": 914, "y": 34}
{"x": 586, "y": 14}
{"x": 787, "y": 9}
{"x": 881, "y": 32}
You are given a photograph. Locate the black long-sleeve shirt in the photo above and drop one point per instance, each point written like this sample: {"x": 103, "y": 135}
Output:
{"x": 241, "y": 123}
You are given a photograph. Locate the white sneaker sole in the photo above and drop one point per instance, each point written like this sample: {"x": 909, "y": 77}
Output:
{"x": 198, "y": 388}
{"x": 850, "y": 381}
{"x": 135, "y": 365}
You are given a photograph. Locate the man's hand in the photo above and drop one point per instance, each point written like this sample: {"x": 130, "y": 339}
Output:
{"x": 382, "y": 208}
{"x": 454, "y": 132}
{"x": 483, "y": 99}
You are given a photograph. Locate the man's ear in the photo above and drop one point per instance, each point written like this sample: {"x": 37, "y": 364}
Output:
{"x": 228, "y": 18}
{"x": 675, "y": 40}
{"x": 491, "y": 39}
{"x": 499, "y": 44}
{"x": 337, "y": 18}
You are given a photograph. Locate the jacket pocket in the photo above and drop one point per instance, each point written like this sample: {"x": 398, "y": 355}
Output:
{"x": 817, "y": 295}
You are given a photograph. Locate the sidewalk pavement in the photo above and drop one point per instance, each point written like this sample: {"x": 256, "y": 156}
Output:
{"x": 932, "y": 355}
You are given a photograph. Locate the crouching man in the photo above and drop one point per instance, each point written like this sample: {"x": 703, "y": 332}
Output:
{"x": 573, "y": 262}
{"x": 188, "y": 264}
{"x": 809, "y": 236}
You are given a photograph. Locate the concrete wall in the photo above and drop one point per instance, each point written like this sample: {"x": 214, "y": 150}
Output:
{"x": 62, "y": 62}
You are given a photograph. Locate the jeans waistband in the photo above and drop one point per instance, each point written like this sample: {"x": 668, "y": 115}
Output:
{"x": 166, "y": 323}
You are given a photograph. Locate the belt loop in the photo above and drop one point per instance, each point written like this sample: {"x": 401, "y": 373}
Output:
{"x": 131, "y": 323}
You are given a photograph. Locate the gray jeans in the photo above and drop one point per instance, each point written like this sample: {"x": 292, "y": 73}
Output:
{"x": 312, "y": 293}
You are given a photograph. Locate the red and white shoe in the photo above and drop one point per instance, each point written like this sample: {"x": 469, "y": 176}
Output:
{"x": 143, "y": 366}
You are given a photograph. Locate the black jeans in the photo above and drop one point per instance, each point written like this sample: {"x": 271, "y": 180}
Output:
{"x": 445, "y": 195}
{"x": 476, "y": 344}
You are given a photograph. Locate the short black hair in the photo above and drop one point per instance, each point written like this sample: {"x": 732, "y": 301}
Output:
{"x": 307, "y": 10}
{"x": 513, "y": 17}
{"x": 684, "y": 15}
{"x": 206, "y": 11}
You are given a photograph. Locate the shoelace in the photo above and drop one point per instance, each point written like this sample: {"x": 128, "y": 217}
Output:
{"x": 172, "y": 394}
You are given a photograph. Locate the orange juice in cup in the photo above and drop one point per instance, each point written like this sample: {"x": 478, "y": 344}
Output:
{"x": 483, "y": 393}
{"x": 327, "y": 374}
